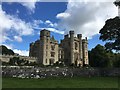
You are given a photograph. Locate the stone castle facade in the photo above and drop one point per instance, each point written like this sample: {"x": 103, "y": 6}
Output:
{"x": 71, "y": 50}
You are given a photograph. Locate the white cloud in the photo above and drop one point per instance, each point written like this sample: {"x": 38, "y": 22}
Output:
{"x": 9, "y": 46}
{"x": 18, "y": 51}
{"x": 50, "y": 24}
{"x": 63, "y": 15}
{"x": 21, "y": 52}
{"x": 86, "y": 17}
{"x": 30, "y": 5}
{"x": 47, "y": 22}
{"x": 36, "y": 23}
{"x": 54, "y": 30}
{"x": 18, "y": 38}
{"x": 13, "y": 23}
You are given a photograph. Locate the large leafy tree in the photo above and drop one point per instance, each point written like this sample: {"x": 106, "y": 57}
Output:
{"x": 111, "y": 33}
{"x": 98, "y": 57}
{"x": 116, "y": 62}
{"x": 6, "y": 51}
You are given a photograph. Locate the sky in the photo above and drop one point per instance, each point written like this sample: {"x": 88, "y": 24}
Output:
{"x": 21, "y": 22}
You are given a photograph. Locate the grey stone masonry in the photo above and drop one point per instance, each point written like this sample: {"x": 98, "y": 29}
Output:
{"x": 71, "y": 50}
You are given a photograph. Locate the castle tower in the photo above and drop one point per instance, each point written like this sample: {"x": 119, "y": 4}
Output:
{"x": 31, "y": 49}
{"x": 80, "y": 48}
{"x": 74, "y": 50}
{"x": 44, "y": 46}
{"x": 34, "y": 49}
{"x": 72, "y": 46}
{"x": 85, "y": 51}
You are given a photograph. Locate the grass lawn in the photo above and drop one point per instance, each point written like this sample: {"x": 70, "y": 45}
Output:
{"x": 75, "y": 82}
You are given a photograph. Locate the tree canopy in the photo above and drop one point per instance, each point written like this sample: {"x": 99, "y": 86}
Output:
{"x": 6, "y": 51}
{"x": 98, "y": 56}
{"x": 111, "y": 33}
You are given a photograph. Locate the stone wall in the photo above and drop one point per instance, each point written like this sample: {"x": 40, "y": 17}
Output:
{"x": 38, "y": 72}
{"x": 73, "y": 50}
{"x": 6, "y": 58}
{"x": 48, "y": 49}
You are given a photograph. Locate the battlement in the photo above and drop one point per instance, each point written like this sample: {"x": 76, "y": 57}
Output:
{"x": 44, "y": 32}
{"x": 71, "y": 32}
{"x": 48, "y": 51}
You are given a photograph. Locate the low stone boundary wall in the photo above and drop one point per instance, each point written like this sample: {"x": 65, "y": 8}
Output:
{"x": 38, "y": 72}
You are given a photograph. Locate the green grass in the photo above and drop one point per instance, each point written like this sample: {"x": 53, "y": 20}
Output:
{"x": 76, "y": 82}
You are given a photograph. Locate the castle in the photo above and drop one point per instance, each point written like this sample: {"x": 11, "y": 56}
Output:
{"x": 71, "y": 50}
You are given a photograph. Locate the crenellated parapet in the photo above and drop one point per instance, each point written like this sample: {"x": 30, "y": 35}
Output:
{"x": 73, "y": 50}
{"x": 85, "y": 51}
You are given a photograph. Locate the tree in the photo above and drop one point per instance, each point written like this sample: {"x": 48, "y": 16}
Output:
{"x": 98, "y": 57}
{"x": 116, "y": 62}
{"x": 117, "y": 3}
{"x": 111, "y": 33}
{"x": 6, "y": 51}
{"x": 17, "y": 61}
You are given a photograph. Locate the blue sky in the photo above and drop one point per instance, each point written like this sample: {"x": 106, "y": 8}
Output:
{"x": 21, "y": 22}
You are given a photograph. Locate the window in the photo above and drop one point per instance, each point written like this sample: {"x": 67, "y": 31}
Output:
{"x": 52, "y": 54}
{"x": 52, "y": 47}
{"x": 46, "y": 53}
{"x": 47, "y": 40}
{"x": 46, "y": 46}
{"x": 86, "y": 53}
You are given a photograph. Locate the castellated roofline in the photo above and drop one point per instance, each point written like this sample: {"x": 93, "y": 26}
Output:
{"x": 71, "y": 49}
{"x": 44, "y": 30}
{"x": 79, "y": 36}
{"x": 85, "y": 40}
{"x": 71, "y": 32}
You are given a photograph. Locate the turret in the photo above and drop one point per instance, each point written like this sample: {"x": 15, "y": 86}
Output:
{"x": 31, "y": 49}
{"x": 72, "y": 46}
{"x": 79, "y": 36}
{"x": 66, "y": 36}
{"x": 85, "y": 51}
{"x": 44, "y": 44}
